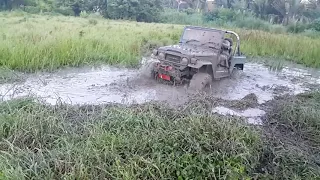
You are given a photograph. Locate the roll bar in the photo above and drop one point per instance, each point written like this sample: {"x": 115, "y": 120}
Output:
{"x": 237, "y": 49}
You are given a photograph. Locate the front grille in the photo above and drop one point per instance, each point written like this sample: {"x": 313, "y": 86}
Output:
{"x": 173, "y": 58}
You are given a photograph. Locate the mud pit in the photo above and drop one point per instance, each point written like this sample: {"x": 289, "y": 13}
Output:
{"x": 106, "y": 84}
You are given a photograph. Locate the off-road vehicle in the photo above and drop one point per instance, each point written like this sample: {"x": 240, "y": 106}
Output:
{"x": 202, "y": 55}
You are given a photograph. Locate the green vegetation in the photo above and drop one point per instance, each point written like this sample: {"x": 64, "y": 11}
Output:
{"x": 31, "y": 42}
{"x": 152, "y": 141}
{"x": 8, "y": 75}
{"x": 39, "y": 43}
{"x": 293, "y": 124}
{"x": 271, "y": 15}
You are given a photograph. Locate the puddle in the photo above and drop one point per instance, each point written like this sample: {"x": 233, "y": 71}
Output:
{"x": 91, "y": 86}
{"x": 258, "y": 79}
{"x": 106, "y": 84}
{"x": 253, "y": 115}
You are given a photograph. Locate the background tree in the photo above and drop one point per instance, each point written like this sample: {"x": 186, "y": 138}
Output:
{"x": 139, "y": 10}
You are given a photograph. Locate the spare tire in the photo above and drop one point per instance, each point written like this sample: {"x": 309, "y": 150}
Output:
{"x": 200, "y": 81}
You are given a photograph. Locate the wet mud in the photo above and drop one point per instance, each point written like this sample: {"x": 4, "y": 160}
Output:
{"x": 240, "y": 93}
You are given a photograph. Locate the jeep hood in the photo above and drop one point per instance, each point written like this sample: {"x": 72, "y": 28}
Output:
{"x": 190, "y": 50}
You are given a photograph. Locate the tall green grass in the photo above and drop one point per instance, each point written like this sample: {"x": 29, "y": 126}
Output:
{"x": 152, "y": 141}
{"x": 36, "y": 43}
{"x": 143, "y": 142}
{"x": 297, "y": 48}
{"x": 32, "y": 42}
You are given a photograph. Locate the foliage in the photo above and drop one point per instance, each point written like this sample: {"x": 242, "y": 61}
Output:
{"x": 316, "y": 24}
{"x": 220, "y": 14}
{"x": 311, "y": 33}
{"x": 32, "y": 9}
{"x": 142, "y": 10}
{"x": 296, "y": 27}
{"x": 93, "y": 21}
{"x": 176, "y": 17}
{"x": 275, "y": 11}
{"x": 253, "y": 23}
{"x": 67, "y": 11}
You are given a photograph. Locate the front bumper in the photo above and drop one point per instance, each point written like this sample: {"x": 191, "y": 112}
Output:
{"x": 167, "y": 72}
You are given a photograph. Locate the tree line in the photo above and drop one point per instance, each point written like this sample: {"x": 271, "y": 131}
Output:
{"x": 275, "y": 11}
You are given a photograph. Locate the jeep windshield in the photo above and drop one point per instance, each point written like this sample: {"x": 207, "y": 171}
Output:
{"x": 202, "y": 37}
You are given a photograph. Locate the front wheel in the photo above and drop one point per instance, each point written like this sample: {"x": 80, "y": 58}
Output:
{"x": 200, "y": 81}
{"x": 147, "y": 69}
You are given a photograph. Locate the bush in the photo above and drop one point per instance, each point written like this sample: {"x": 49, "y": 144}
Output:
{"x": 67, "y": 11}
{"x": 221, "y": 14}
{"x": 278, "y": 28}
{"x": 253, "y": 23}
{"x": 296, "y": 27}
{"x": 32, "y": 9}
{"x": 175, "y": 17}
{"x": 84, "y": 14}
{"x": 311, "y": 33}
{"x": 141, "y": 11}
{"x": 190, "y": 11}
{"x": 93, "y": 22}
{"x": 95, "y": 16}
{"x": 315, "y": 24}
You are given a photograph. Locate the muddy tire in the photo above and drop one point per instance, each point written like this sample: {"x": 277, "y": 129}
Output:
{"x": 147, "y": 69}
{"x": 200, "y": 81}
{"x": 236, "y": 73}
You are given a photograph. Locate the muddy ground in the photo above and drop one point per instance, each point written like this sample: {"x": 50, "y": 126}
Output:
{"x": 240, "y": 95}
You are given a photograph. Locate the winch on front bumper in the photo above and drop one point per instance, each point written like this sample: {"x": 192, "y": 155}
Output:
{"x": 168, "y": 73}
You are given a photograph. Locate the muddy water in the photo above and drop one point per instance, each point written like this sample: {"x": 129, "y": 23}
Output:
{"x": 106, "y": 84}
{"x": 253, "y": 115}
{"x": 258, "y": 79}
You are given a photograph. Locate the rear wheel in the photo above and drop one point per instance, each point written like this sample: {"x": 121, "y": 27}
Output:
{"x": 200, "y": 81}
{"x": 236, "y": 73}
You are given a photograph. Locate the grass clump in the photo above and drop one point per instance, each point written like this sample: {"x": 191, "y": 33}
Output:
{"x": 292, "y": 129}
{"x": 93, "y": 21}
{"x": 7, "y": 75}
{"x": 140, "y": 142}
{"x": 300, "y": 116}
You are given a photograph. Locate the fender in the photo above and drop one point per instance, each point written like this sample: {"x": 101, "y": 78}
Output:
{"x": 199, "y": 64}
{"x": 237, "y": 61}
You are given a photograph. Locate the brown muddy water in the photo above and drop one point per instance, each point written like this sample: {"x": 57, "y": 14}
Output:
{"x": 105, "y": 84}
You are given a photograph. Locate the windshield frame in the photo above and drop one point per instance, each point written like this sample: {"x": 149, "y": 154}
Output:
{"x": 218, "y": 41}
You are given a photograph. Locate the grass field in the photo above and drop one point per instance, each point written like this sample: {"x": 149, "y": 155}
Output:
{"x": 152, "y": 141}
{"x": 149, "y": 141}
{"x": 32, "y": 42}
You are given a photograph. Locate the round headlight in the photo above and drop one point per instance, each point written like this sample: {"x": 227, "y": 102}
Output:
{"x": 193, "y": 61}
{"x": 184, "y": 61}
{"x": 155, "y": 52}
{"x": 161, "y": 55}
